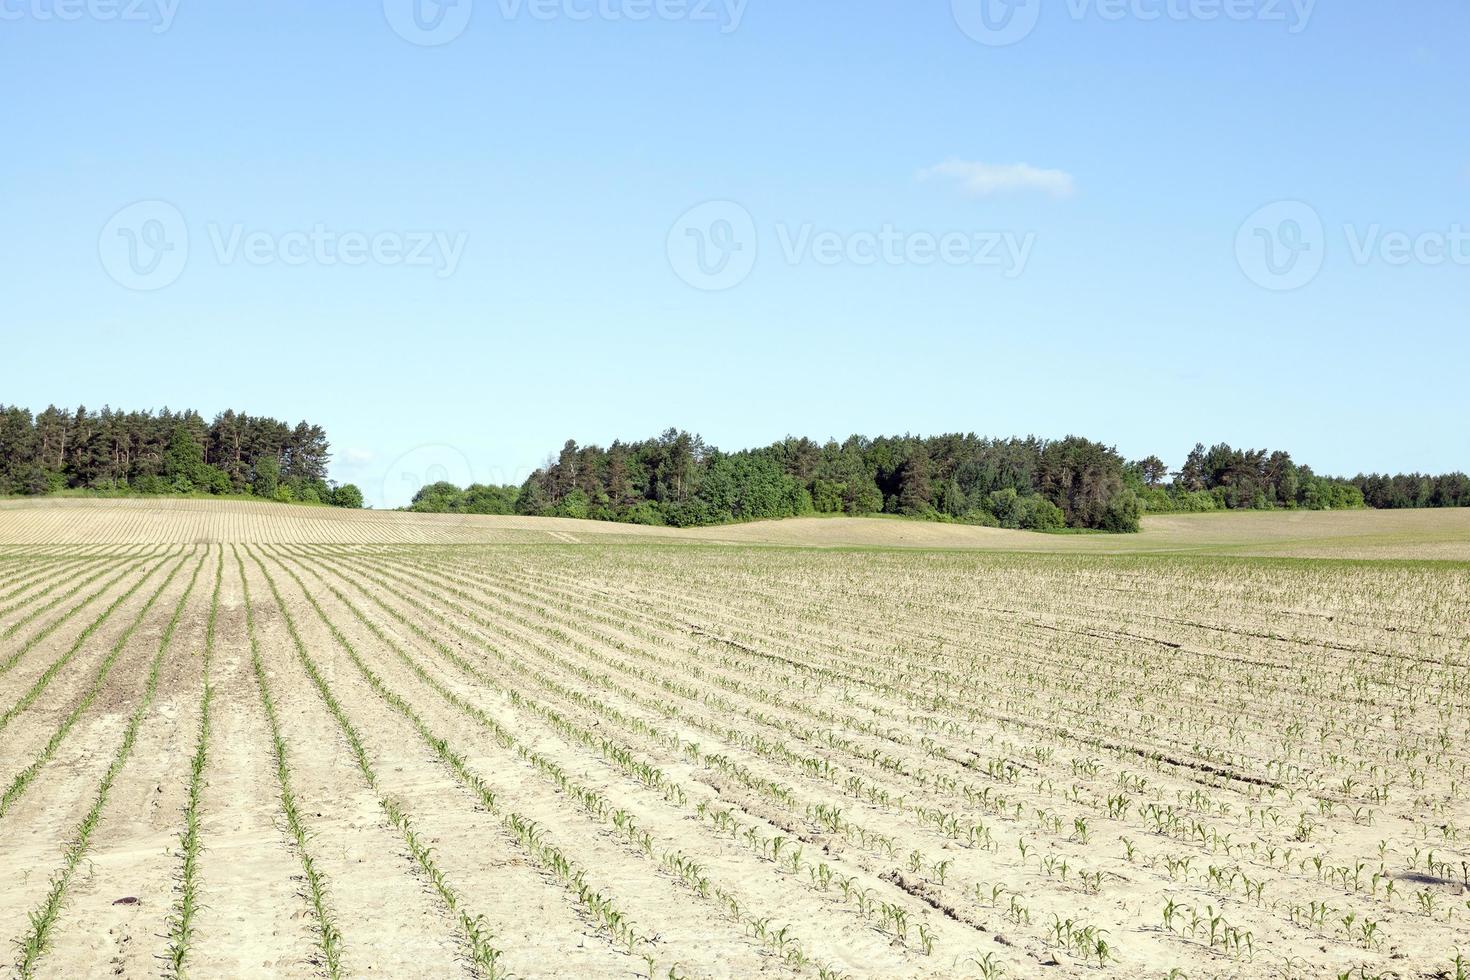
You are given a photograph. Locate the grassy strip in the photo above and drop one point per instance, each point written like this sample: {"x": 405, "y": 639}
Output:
{"x": 9, "y": 662}
{"x": 102, "y": 563}
{"x": 531, "y": 836}
{"x": 816, "y": 767}
{"x": 23, "y": 779}
{"x": 946, "y": 823}
{"x": 18, "y": 566}
{"x": 181, "y": 923}
{"x": 65, "y": 577}
{"x": 42, "y": 571}
{"x": 477, "y": 940}
{"x": 680, "y": 866}
{"x": 557, "y": 620}
{"x": 43, "y": 919}
{"x": 329, "y": 939}
{"x": 890, "y": 916}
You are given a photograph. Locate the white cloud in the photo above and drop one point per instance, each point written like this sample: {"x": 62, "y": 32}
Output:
{"x": 1002, "y": 178}
{"x": 359, "y": 456}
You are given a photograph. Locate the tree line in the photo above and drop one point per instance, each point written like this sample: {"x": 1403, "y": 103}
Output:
{"x": 677, "y": 479}
{"x": 1414, "y": 490}
{"x": 1225, "y": 478}
{"x": 112, "y": 452}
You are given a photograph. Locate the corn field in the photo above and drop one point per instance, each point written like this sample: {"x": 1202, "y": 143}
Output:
{"x": 267, "y": 753}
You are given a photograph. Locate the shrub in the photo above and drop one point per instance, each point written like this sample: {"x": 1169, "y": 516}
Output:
{"x": 437, "y": 498}
{"x": 645, "y": 512}
{"x": 150, "y": 484}
{"x": 1123, "y": 514}
{"x": 347, "y": 495}
{"x": 480, "y": 498}
{"x": 1040, "y": 514}
{"x": 827, "y": 496}
{"x": 1007, "y": 507}
{"x": 574, "y": 504}
{"x": 215, "y": 480}
{"x": 267, "y": 476}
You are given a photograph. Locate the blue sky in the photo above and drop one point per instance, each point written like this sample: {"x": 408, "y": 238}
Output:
{"x": 456, "y": 254}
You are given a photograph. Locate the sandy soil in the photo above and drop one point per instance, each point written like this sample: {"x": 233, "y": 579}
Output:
{"x": 1415, "y": 534}
{"x": 729, "y": 761}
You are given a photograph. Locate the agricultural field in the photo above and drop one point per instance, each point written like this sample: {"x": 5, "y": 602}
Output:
{"x": 257, "y": 740}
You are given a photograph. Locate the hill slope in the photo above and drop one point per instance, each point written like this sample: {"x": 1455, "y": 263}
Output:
{"x": 1427, "y": 534}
